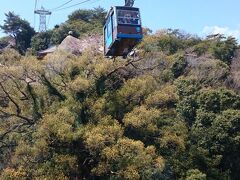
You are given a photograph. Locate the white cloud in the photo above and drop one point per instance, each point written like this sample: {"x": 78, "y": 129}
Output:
{"x": 207, "y": 30}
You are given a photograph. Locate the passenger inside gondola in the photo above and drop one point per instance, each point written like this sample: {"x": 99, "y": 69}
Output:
{"x": 128, "y": 17}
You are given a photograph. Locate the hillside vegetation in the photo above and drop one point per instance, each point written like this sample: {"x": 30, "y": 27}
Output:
{"x": 170, "y": 112}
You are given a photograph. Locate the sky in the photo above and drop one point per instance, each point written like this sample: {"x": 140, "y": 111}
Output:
{"x": 199, "y": 17}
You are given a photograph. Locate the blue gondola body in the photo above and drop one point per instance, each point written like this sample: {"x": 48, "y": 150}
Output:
{"x": 122, "y": 30}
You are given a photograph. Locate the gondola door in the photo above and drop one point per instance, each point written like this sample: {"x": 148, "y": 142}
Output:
{"x": 108, "y": 33}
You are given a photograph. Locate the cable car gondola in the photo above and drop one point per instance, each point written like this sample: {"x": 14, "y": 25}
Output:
{"x": 122, "y": 30}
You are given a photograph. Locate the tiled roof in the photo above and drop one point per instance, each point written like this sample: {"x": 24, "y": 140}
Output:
{"x": 49, "y": 50}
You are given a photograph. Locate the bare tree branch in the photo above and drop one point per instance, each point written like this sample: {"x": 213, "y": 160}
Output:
{"x": 11, "y": 99}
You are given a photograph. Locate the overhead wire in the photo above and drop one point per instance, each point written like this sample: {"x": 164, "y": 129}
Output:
{"x": 61, "y": 5}
{"x": 95, "y": 1}
{"x": 35, "y": 7}
{"x": 59, "y": 8}
{"x": 48, "y": 21}
{"x": 73, "y": 5}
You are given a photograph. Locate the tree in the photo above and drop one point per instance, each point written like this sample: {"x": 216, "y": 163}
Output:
{"x": 61, "y": 32}
{"x": 195, "y": 174}
{"x": 41, "y": 41}
{"x": 141, "y": 123}
{"x": 215, "y": 143}
{"x": 20, "y": 29}
{"x": 224, "y": 49}
{"x": 179, "y": 66}
{"x": 120, "y": 160}
{"x": 147, "y": 117}
{"x": 218, "y": 100}
{"x": 97, "y": 14}
{"x": 80, "y": 22}
{"x": 219, "y": 46}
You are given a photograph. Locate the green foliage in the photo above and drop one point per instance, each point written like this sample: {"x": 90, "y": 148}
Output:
{"x": 174, "y": 137}
{"x": 186, "y": 87}
{"x": 179, "y": 66}
{"x": 59, "y": 33}
{"x": 80, "y": 22}
{"x": 20, "y": 29}
{"x": 129, "y": 159}
{"x": 186, "y": 108}
{"x": 211, "y": 72}
{"x": 224, "y": 50}
{"x": 218, "y": 100}
{"x": 165, "y": 98}
{"x": 217, "y": 136}
{"x": 162, "y": 42}
{"x": 97, "y": 14}
{"x": 169, "y": 41}
{"x": 163, "y": 114}
{"x": 135, "y": 90}
{"x": 220, "y": 47}
{"x": 9, "y": 57}
{"x": 195, "y": 174}
{"x": 106, "y": 133}
{"x": 133, "y": 93}
{"x": 202, "y": 47}
{"x": 141, "y": 123}
{"x": 41, "y": 41}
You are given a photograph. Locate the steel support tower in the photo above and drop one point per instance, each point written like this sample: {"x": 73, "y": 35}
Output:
{"x": 43, "y": 13}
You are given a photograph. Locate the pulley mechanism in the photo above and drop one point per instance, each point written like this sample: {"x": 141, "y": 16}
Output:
{"x": 129, "y": 3}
